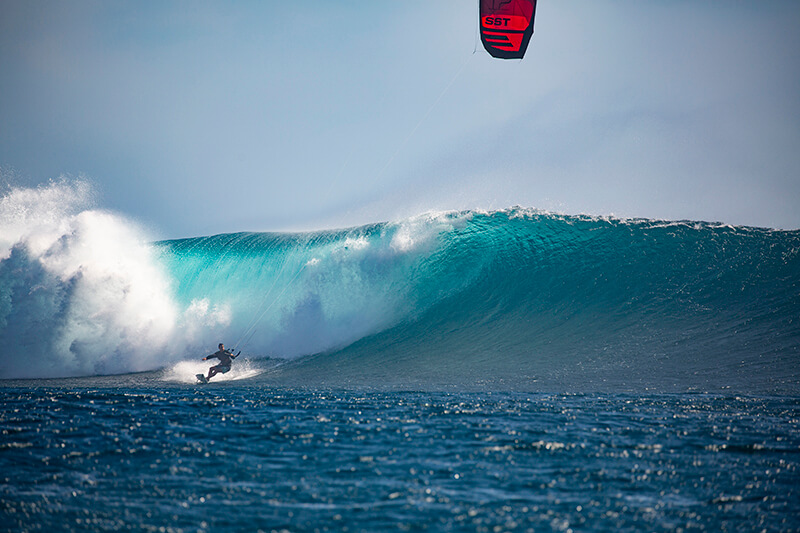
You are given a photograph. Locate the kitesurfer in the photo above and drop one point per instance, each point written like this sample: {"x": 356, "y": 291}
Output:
{"x": 225, "y": 357}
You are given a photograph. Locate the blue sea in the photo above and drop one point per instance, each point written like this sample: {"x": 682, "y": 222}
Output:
{"x": 513, "y": 370}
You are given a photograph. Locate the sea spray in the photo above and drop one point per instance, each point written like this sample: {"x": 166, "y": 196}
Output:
{"x": 81, "y": 290}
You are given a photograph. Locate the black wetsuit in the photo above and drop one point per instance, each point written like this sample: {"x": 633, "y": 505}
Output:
{"x": 225, "y": 359}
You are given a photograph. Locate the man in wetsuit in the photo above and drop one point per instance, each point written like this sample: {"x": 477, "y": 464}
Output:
{"x": 225, "y": 358}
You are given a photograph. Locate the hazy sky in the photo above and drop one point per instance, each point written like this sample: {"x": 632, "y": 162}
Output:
{"x": 207, "y": 117}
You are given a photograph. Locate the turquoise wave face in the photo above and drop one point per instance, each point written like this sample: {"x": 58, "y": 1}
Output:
{"x": 288, "y": 295}
{"x": 516, "y": 297}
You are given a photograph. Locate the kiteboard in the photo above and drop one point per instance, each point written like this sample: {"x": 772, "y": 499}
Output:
{"x": 201, "y": 378}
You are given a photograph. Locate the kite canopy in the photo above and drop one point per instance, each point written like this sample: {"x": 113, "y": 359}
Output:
{"x": 507, "y": 26}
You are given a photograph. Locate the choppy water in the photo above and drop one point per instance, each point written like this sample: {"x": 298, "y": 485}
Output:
{"x": 245, "y": 458}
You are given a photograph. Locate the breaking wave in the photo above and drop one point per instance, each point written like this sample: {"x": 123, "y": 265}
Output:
{"x": 516, "y": 295}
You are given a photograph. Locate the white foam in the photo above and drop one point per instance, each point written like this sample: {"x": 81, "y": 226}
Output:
{"x": 40, "y": 216}
{"x": 82, "y": 291}
{"x": 419, "y": 233}
{"x": 186, "y": 372}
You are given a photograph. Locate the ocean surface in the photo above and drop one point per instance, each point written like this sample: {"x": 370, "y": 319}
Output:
{"x": 512, "y": 370}
{"x": 245, "y": 457}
